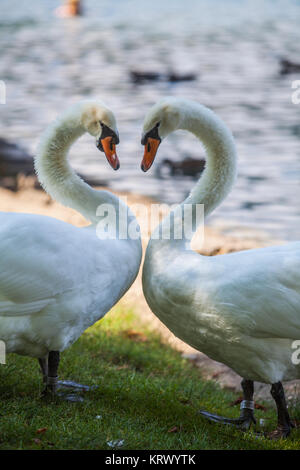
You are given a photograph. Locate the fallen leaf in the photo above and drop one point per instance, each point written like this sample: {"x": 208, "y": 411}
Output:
{"x": 136, "y": 336}
{"x": 174, "y": 429}
{"x": 123, "y": 366}
{"x": 41, "y": 430}
{"x": 236, "y": 402}
{"x": 257, "y": 406}
{"x": 216, "y": 375}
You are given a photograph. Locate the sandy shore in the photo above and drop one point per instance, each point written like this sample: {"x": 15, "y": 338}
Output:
{"x": 28, "y": 199}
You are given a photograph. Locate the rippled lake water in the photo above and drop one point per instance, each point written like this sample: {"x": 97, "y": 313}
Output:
{"x": 232, "y": 46}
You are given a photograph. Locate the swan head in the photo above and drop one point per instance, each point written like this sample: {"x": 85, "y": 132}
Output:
{"x": 161, "y": 120}
{"x": 100, "y": 122}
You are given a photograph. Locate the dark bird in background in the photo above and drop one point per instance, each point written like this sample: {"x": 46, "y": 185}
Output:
{"x": 287, "y": 67}
{"x": 140, "y": 77}
{"x": 187, "y": 167}
{"x": 14, "y": 161}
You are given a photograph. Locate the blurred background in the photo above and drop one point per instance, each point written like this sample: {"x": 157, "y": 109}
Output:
{"x": 237, "y": 57}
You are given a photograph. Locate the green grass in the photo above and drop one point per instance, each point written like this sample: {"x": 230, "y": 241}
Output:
{"x": 144, "y": 389}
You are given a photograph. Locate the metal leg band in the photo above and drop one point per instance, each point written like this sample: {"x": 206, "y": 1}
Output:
{"x": 247, "y": 404}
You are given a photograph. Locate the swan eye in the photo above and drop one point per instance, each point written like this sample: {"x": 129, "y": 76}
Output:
{"x": 157, "y": 124}
{"x": 101, "y": 124}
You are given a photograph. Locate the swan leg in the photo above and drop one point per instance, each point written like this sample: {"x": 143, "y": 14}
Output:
{"x": 64, "y": 389}
{"x": 53, "y": 363}
{"x": 44, "y": 368}
{"x": 247, "y": 410}
{"x": 284, "y": 424}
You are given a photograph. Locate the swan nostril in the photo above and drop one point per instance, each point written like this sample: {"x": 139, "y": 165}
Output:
{"x": 148, "y": 147}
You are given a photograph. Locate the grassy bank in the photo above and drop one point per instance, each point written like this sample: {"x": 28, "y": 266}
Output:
{"x": 147, "y": 395}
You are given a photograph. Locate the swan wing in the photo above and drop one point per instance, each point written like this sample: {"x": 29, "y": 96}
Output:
{"x": 12, "y": 309}
{"x": 39, "y": 260}
{"x": 260, "y": 294}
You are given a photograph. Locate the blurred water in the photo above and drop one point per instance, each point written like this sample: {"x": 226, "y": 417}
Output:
{"x": 233, "y": 46}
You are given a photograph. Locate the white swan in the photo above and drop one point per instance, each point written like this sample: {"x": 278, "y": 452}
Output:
{"x": 56, "y": 280}
{"x": 241, "y": 309}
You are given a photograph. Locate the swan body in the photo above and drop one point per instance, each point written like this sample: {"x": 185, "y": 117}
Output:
{"x": 228, "y": 314}
{"x": 56, "y": 280}
{"x": 241, "y": 309}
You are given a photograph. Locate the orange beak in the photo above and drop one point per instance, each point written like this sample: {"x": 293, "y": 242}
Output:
{"x": 110, "y": 152}
{"x": 151, "y": 148}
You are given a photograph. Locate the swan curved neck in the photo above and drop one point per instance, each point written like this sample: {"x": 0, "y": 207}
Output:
{"x": 220, "y": 170}
{"x": 56, "y": 175}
